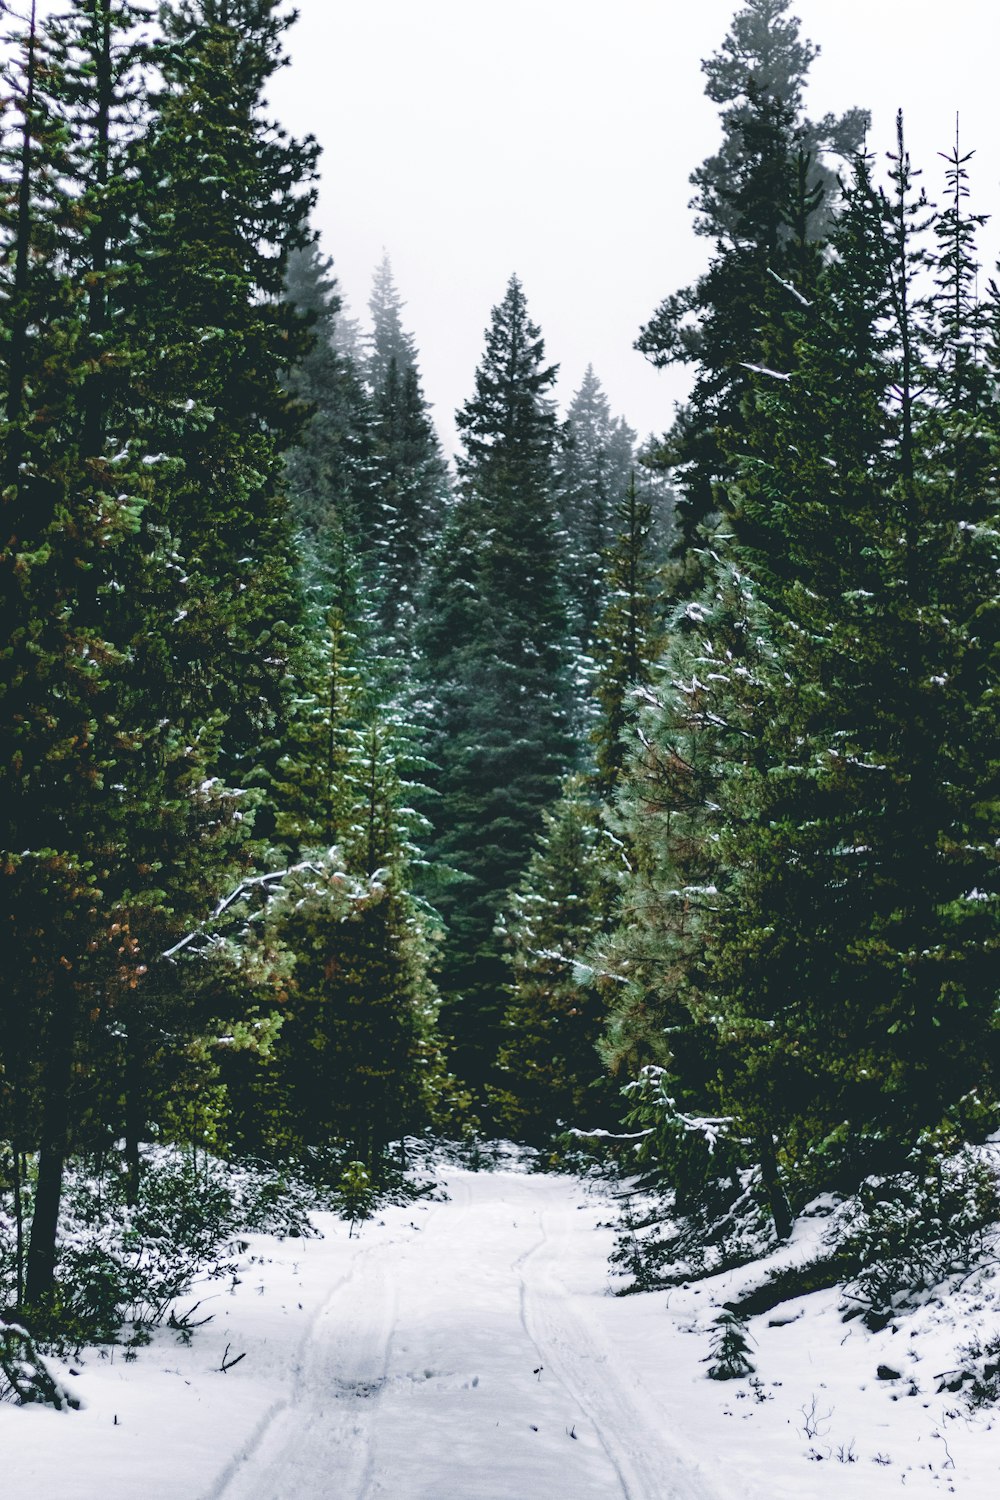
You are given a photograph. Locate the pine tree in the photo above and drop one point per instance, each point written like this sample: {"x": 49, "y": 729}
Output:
{"x": 837, "y": 981}
{"x": 221, "y": 333}
{"x": 409, "y": 474}
{"x": 330, "y": 470}
{"x": 627, "y": 635}
{"x": 765, "y": 192}
{"x": 596, "y": 458}
{"x": 494, "y": 642}
{"x": 59, "y": 538}
{"x": 549, "y": 1074}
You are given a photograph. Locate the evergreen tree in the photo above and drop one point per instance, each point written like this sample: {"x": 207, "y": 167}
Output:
{"x": 763, "y": 196}
{"x": 330, "y": 471}
{"x": 220, "y": 335}
{"x": 117, "y": 382}
{"x": 627, "y": 635}
{"x": 594, "y": 466}
{"x": 549, "y": 1074}
{"x": 65, "y": 526}
{"x": 494, "y": 643}
{"x": 815, "y": 887}
{"x": 409, "y": 474}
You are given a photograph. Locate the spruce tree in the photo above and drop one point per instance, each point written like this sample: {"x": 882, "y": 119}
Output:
{"x": 765, "y": 191}
{"x": 408, "y": 472}
{"x": 493, "y": 638}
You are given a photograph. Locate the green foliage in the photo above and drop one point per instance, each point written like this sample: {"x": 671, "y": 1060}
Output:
{"x": 593, "y": 466}
{"x": 809, "y": 932}
{"x": 628, "y": 633}
{"x": 765, "y": 199}
{"x": 123, "y": 1265}
{"x": 407, "y": 473}
{"x": 549, "y": 1073}
{"x": 493, "y": 636}
{"x": 730, "y": 1357}
{"x": 356, "y": 1194}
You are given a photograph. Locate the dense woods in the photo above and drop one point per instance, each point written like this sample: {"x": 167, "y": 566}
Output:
{"x": 639, "y": 790}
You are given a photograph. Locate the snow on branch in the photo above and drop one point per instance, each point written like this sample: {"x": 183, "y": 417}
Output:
{"x": 265, "y": 883}
{"x": 712, "y": 1128}
{"x": 805, "y": 301}
{"x": 763, "y": 370}
{"x": 608, "y": 1135}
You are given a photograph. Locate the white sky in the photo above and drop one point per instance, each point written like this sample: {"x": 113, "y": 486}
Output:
{"x": 554, "y": 138}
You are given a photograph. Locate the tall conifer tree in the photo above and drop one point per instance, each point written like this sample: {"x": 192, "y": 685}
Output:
{"x": 766, "y": 190}
{"x": 494, "y": 639}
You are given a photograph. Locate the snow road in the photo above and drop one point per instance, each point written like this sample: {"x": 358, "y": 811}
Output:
{"x": 468, "y": 1350}
{"x": 453, "y": 1362}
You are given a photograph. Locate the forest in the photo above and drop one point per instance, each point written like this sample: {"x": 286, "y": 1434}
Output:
{"x": 633, "y": 800}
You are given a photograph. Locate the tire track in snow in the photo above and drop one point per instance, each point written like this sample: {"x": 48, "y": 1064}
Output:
{"x": 326, "y": 1421}
{"x": 277, "y": 1428}
{"x": 529, "y": 1324}
{"x": 647, "y": 1465}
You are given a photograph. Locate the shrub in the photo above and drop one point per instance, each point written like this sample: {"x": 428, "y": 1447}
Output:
{"x": 356, "y": 1193}
{"x": 978, "y": 1374}
{"x": 730, "y": 1349}
{"x": 907, "y": 1233}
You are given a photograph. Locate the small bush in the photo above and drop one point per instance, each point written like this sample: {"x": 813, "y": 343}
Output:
{"x": 905, "y": 1234}
{"x": 123, "y": 1265}
{"x": 978, "y": 1373}
{"x": 24, "y": 1376}
{"x": 356, "y": 1193}
{"x": 730, "y": 1349}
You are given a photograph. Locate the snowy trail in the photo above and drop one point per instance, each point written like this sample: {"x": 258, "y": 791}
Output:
{"x": 469, "y": 1350}
{"x": 452, "y": 1363}
{"x": 626, "y": 1417}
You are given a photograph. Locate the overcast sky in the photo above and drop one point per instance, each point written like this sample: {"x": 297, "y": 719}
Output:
{"x": 554, "y": 138}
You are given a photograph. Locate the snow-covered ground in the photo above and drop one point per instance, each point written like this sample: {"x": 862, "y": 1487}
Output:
{"x": 469, "y": 1349}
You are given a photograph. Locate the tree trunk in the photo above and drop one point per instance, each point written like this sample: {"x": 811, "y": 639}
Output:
{"x": 781, "y": 1213}
{"x": 135, "y": 1115}
{"x": 41, "y": 1260}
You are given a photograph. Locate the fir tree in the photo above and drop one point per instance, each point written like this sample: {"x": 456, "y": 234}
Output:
{"x": 494, "y": 643}
{"x": 409, "y": 474}
{"x": 765, "y": 192}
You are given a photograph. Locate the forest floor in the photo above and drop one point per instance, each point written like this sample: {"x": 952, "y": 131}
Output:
{"x": 468, "y": 1348}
